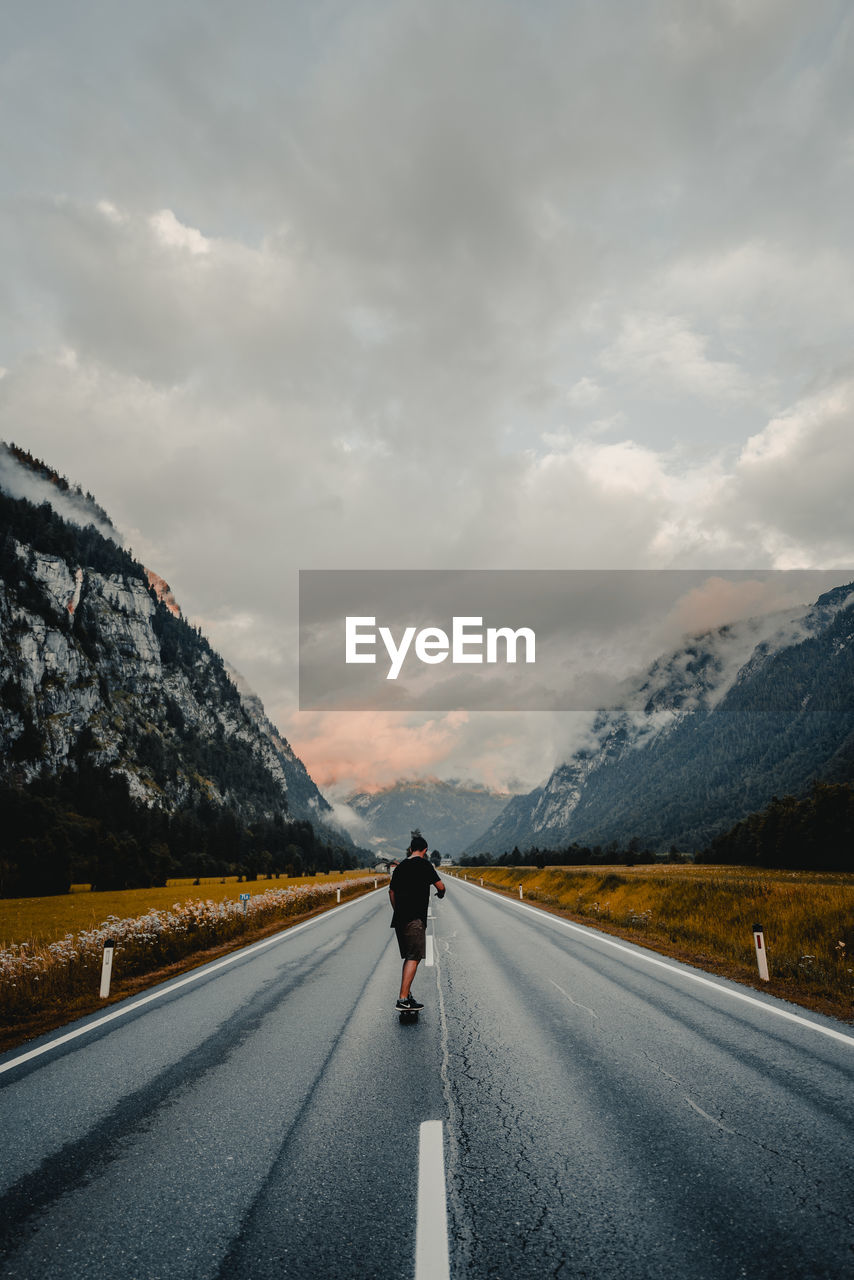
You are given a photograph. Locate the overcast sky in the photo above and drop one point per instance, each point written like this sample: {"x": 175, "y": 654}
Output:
{"x": 482, "y": 284}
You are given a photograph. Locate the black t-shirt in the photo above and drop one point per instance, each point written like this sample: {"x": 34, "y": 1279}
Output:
{"x": 411, "y": 882}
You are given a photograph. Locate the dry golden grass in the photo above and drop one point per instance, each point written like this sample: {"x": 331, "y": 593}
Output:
{"x": 707, "y": 914}
{"x": 39, "y": 921}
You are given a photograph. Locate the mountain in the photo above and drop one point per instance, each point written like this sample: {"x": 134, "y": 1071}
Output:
{"x": 710, "y": 734}
{"x": 449, "y": 814}
{"x": 108, "y": 697}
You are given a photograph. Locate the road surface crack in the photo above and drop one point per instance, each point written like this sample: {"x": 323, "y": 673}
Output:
{"x": 577, "y": 1003}
{"x": 497, "y": 1105}
{"x": 764, "y": 1147}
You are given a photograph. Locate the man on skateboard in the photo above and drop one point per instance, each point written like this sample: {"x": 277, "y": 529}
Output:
{"x": 409, "y": 893}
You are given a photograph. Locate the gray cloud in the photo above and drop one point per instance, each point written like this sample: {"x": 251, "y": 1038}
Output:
{"x": 386, "y": 285}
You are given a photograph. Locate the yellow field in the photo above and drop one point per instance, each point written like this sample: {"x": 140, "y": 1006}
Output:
{"x": 39, "y": 921}
{"x": 707, "y": 914}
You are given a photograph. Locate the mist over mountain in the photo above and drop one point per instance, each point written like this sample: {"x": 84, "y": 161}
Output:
{"x": 112, "y": 706}
{"x": 448, "y": 813}
{"x": 23, "y": 476}
{"x": 708, "y": 735}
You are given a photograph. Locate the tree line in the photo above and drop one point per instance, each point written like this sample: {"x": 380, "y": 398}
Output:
{"x": 574, "y": 855}
{"x": 808, "y": 833}
{"x": 83, "y": 827}
{"x": 813, "y": 832}
{"x": 39, "y": 527}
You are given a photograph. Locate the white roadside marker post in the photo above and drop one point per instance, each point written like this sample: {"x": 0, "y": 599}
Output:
{"x": 520, "y": 893}
{"x": 761, "y": 953}
{"x": 107, "y": 967}
{"x": 339, "y": 895}
{"x": 244, "y": 898}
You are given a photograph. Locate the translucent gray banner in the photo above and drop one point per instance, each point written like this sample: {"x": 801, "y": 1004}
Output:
{"x": 530, "y": 640}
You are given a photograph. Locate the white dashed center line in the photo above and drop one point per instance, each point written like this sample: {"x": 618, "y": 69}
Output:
{"x": 431, "y": 1232}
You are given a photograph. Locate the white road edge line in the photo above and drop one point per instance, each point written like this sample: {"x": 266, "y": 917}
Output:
{"x": 201, "y": 972}
{"x": 593, "y": 935}
{"x": 431, "y": 1231}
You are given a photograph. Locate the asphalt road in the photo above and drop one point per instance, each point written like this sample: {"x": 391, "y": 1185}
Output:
{"x": 605, "y": 1114}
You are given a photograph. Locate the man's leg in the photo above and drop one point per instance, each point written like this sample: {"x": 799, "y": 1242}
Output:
{"x": 409, "y": 968}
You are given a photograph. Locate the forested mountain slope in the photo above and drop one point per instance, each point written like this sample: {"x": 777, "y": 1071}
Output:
{"x": 697, "y": 748}
{"x": 448, "y": 813}
{"x": 114, "y": 709}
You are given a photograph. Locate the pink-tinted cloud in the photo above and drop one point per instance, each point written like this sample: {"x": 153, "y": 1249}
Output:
{"x": 370, "y": 749}
{"x": 719, "y": 602}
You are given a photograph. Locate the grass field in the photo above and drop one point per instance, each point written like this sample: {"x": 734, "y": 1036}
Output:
{"x": 39, "y": 921}
{"x": 705, "y": 915}
{"x": 51, "y": 970}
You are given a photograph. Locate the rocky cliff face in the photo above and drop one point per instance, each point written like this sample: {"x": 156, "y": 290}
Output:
{"x": 66, "y": 668}
{"x": 99, "y": 671}
{"x": 98, "y": 653}
{"x": 304, "y": 799}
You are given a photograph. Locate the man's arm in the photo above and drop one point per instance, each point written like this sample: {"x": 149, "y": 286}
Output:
{"x": 440, "y": 888}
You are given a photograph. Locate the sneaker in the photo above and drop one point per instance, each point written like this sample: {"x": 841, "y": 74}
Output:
{"x": 409, "y": 1005}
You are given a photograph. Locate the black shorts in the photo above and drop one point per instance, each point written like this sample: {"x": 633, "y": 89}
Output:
{"x": 412, "y": 939}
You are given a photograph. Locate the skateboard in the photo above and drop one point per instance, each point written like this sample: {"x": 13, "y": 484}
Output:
{"x": 407, "y": 1015}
